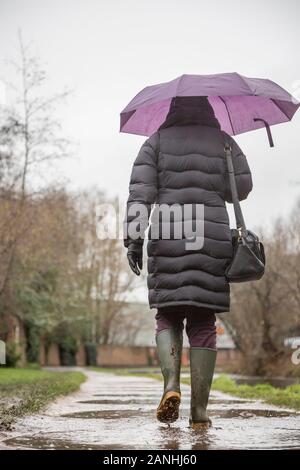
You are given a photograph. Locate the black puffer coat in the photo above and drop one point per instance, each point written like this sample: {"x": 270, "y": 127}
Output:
{"x": 186, "y": 165}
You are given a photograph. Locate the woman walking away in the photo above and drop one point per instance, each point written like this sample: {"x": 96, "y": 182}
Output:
{"x": 183, "y": 165}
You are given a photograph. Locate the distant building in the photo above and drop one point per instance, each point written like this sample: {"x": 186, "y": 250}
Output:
{"x": 132, "y": 343}
{"x": 136, "y": 345}
{"x": 146, "y": 334}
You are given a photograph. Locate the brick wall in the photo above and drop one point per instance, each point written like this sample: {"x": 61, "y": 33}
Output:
{"x": 109, "y": 355}
{"x": 227, "y": 356}
{"x": 80, "y": 356}
{"x": 52, "y": 356}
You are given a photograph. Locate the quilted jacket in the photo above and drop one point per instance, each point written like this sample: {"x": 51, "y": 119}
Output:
{"x": 184, "y": 167}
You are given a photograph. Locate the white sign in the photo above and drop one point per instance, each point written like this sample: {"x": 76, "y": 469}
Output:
{"x": 2, "y": 353}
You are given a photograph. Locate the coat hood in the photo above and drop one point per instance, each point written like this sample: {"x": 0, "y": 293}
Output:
{"x": 185, "y": 110}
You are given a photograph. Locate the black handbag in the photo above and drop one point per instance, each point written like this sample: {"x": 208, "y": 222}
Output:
{"x": 248, "y": 260}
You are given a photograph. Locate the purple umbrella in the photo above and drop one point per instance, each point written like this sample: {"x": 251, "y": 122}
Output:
{"x": 241, "y": 104}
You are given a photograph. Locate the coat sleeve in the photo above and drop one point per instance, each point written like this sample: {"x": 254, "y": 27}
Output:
{"x": 142, "y": 192}
{"x": 242, "y": 172}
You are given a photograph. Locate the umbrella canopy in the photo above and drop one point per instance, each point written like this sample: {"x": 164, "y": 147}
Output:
{"x": 240, "y": 104}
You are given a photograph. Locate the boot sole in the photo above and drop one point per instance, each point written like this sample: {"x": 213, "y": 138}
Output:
{"x": 168, "y": 410}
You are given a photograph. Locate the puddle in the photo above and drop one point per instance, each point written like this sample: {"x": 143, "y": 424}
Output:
{"x": 140, "y": 400}
{"x": 134, "y": 401}
{"x": 249, "y": 413}
{"x": 111, "y": 413}
{"x": 126, "y": 394}
{"x": 104, "y": 414}
{"x": 226, "y": 413}
{"x": 57, "y": 444}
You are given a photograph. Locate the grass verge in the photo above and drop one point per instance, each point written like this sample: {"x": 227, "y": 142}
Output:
{"x": 285, "y": 397}
{"x": 25, "y": 391}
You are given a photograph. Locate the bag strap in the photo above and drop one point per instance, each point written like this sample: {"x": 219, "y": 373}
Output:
{"x": 240, "y": 222}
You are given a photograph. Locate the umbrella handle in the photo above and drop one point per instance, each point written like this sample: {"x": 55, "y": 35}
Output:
{"x": 271, "y": 142}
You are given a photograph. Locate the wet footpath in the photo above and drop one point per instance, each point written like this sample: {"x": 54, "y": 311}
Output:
{"x": 112, "y": 412}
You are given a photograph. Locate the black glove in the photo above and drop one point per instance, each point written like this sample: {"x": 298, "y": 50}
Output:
{"x": 135, "y": 257}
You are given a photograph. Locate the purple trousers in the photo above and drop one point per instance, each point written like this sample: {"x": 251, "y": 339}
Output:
{"x": 200, "y": 324}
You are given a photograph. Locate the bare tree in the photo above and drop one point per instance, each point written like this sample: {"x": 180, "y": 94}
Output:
{"x": 30, "y": 142}
{"x": 104, "y": 277}
{"x": 263, "y": 312}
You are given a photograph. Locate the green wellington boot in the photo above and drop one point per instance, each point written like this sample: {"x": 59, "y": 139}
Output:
{"x": 202, "y": 366}
{"x": 169, "y": 350}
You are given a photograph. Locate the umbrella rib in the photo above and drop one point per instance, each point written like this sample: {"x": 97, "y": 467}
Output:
{"x": 227, "y": 113}
{"x": 178, "y": 84}
{"x": 273, "y": 101}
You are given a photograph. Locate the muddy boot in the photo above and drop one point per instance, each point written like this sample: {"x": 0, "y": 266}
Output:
{"x": 169, "y": 349}
{"x": 202, "y": 366}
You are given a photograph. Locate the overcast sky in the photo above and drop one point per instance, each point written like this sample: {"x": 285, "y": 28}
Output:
{"x": 107, "y": 51}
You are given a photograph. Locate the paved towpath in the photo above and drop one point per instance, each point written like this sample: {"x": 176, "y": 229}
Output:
{"x": 118, "y": 412}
